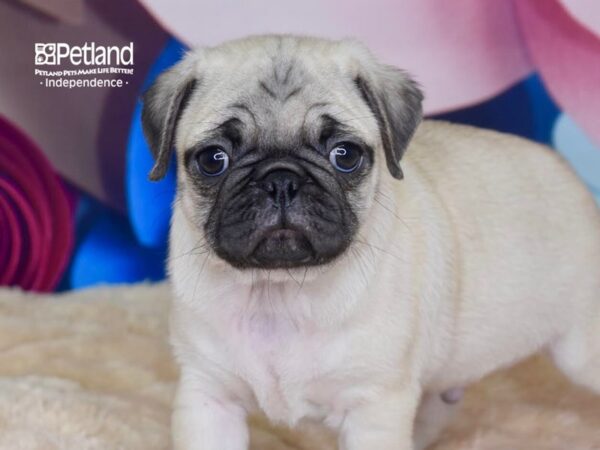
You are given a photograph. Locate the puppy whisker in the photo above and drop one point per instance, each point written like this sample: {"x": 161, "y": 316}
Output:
{"x": 292, "y": 277}
{"x": 193, "y": 251}
{"x": 394, "y": 214}
{"x": 382, "y": 250}
{"x": 199, "y": 276}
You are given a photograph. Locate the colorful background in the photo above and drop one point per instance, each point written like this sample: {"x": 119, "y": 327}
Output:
{"x": 76, "y": 208}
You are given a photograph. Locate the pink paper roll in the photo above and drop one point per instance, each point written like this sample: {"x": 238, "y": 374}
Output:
{"x": 586, "y": 12}
{"x": 567, "y": 55}
{"x": 36, "y": 215}
{"x": 460, "y": 52}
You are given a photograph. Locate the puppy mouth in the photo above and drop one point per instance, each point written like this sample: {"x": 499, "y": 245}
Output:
{"x": 282, "y": 248}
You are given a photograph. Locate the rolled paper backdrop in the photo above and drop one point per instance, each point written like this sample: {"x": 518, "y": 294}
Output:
{"x": 462, "y": 53}
{"x": 525, "y": 109}
{"x": 108, "y": 253}
{"x": 587, "y": 12}
{"x": 149, "y": 203}
{"x": 577, "y": 148}
{"x": 69, "y": 11}
{"x": 36, "y": 215}
{"x": 567, "y": 55}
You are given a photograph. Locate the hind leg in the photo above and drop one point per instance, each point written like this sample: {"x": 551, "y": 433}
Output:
{"x": 434, "y": 414}
{"x": 577, "y": 353}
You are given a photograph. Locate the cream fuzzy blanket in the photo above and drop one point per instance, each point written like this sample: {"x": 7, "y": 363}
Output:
{"x": 91, "y": 370}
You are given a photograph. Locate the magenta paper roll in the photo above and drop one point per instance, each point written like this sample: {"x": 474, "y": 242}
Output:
{"x": 36, "y": 215}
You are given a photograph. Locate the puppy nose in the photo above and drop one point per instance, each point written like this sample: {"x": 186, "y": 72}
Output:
{"x": 281, "y": 178}
{"x": 282, "y": 185}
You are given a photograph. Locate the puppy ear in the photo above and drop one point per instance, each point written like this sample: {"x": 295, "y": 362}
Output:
{"x": 396, "y": 102}
{"x": 163, "y": 104}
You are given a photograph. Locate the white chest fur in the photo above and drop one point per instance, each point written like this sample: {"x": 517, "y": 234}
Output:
{"x": 276, "y": 359}
{"x": 287, "y": 367}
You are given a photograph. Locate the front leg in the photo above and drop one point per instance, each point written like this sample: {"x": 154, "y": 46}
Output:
{"x": 384, "y": 423}
{"x": 204, "y": 421}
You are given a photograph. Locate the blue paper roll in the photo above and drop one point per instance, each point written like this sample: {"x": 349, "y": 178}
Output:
{"x": 149, "y": 203}
{"x": 107, "y": 251}
{"x": 525, "y": 109}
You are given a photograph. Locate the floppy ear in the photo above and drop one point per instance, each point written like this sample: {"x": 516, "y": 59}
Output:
{"x": 163, "y": 104}
{"x": 396, "y": 102}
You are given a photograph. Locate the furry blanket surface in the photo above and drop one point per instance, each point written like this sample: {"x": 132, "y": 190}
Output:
{"x": 91, "y": 370}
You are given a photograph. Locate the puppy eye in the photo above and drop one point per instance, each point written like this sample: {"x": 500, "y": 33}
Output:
{"x": 346, "y": 157}
{"x": 212, "y": 161}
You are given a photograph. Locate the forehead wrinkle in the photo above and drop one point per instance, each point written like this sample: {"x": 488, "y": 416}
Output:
{"x": 305, "y": 129}
{"x": 354, "y": 122}
{"x": 355, "y": 110}
{"x": 230, "y": 129}
{"x": 330, "y": 126}
{"x": 246, "y": 110}
{"x": 244, "y": 120}
{"x": 283, "y": 78}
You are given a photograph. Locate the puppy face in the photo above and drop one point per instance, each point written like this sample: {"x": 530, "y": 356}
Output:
{"x": 279, "y": 143}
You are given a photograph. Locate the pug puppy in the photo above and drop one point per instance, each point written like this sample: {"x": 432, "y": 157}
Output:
{"x": 319, "y": 275}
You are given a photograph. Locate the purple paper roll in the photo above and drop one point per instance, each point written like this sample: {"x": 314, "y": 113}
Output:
{"x": 36, "y": 215}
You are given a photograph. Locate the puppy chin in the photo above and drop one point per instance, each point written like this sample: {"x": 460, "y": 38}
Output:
{"x": 283, "y": 249}
{"x": 280, "y": 248}
{"x": 281, "y": 256}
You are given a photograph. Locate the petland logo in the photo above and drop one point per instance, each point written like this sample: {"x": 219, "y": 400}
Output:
{"x": 61, "y": 65}
{"x": 89, "y": 54}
